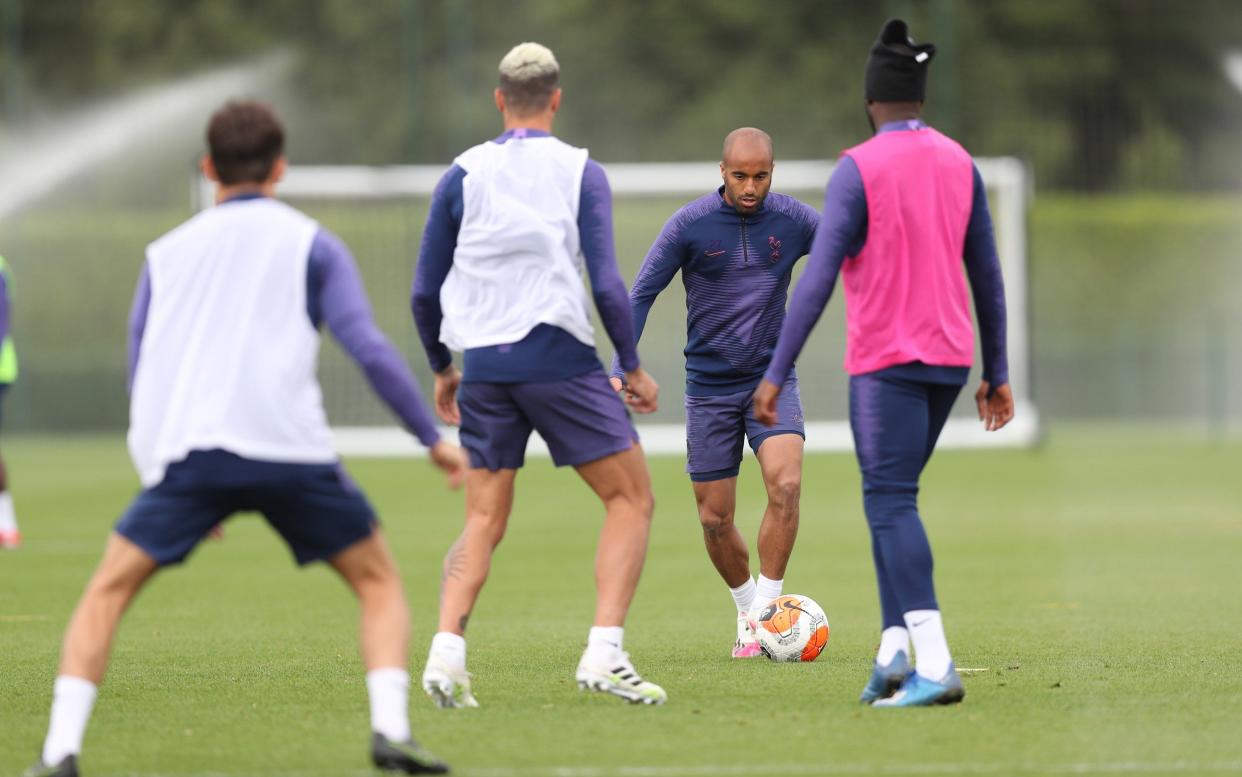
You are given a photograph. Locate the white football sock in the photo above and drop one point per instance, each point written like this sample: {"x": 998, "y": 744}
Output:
{"x": 603, "y": 643}
{"x": 72, "y": 701}
{"x": 931, "y": 649}
{"x": 892, "y": 640}
{"x": 8, "y": 518}
{"x": 767, "y": 589}
{"x": 449, "y": 648}
{"x": 744, "y": 595}
{"x": 389, "y": 690}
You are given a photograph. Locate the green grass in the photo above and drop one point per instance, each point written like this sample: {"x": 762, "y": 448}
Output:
{"x": 1095, "y": 580}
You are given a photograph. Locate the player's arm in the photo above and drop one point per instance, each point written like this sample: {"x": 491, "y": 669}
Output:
{"x": 138, "y": 320}
{"x": 338, "y": 298}
{"x": 607, "y": 288}
{"x": 994, "y": 398}
{"x": 435, "y": 260}
{"x": 841, "y": 226}
{"x": 657, "y": 271}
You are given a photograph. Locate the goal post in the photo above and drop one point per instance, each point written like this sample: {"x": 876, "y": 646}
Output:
{"x": 380, "y": 211}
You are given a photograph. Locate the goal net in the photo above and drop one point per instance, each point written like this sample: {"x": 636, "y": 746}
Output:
{"x": 380, "y": 211}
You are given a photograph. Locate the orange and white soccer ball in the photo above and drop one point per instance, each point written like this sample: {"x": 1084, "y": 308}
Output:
{"x": 792, "y": 628}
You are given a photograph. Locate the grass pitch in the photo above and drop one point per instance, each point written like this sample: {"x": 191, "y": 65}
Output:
{"x": 1092, "y": 585}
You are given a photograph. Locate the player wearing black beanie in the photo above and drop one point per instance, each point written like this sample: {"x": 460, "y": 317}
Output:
{"x": 897, "y": 66}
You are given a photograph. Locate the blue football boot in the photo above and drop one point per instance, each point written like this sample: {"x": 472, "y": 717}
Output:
{"x": 885, "y": 680}
{"x": 918, "y": 691}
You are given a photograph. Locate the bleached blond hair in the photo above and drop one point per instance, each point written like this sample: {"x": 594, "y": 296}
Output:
{"x": 529, "y": 74}
{"x": 527, "y": 61}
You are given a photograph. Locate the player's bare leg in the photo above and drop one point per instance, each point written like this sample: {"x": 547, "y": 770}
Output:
{"x": 623, "y": 484}
{"x": 489, "y": 500}
{"x": 88, "y": 640}
{"x": 780, "y": 460}
{"x": 727, "y": 549}
{"x": 717, "y": 503}
{"x": 368, "y": 568}
{"x": 780, "y": 463}
{"x": 384, "y": 627}
{"x": 84, "y": 657}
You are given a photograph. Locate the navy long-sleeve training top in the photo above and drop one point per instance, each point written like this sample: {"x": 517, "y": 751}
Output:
{"x": 736, "y": 270}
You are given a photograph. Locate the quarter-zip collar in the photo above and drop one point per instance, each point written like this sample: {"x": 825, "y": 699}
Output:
{"x": 744, "y": 221}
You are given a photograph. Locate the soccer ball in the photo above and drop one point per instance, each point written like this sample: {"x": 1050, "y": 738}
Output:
{"x": 792, "y": 628}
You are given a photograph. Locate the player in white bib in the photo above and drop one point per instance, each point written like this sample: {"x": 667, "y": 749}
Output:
{"x": 226, "y": 416}
{"x": 513, "y": 226}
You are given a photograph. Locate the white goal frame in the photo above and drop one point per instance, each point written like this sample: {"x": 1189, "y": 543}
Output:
{"x": 1005, "y": 177}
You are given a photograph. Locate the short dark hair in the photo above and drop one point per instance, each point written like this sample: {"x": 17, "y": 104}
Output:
{"x": 530, "y": 95}
{"x": 245, "y": 139}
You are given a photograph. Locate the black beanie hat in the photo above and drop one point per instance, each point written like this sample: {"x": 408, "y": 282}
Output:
{"x": 897, "y": 67}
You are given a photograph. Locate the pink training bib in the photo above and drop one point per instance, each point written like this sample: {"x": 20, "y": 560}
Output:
{"x": 905, "y": 293}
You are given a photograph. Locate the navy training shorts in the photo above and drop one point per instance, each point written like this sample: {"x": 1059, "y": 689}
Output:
{"x": 581, "y": 419}
{"x": 315, "y": 508}
{"x": 716, "y": 426}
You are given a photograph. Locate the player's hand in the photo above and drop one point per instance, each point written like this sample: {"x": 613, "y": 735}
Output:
{"x": 452, "y": 461}
{"x": 765, "y": 402}
{"x": 642, "y": 393}
{"x": 217, "y": 532}
{"x": 617, "y": 385}
{"x": 997, "y": 410}
{"x": 447, "y": 381}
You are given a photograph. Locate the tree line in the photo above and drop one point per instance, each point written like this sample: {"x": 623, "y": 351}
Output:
{"x": 1100, "y": 95}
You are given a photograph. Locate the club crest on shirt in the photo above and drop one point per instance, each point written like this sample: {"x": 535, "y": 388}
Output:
{"x": 775, "y": 245}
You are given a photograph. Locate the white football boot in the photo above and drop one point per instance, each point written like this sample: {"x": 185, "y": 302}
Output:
{"x": 747, "y": 644}
{"x": 618, "y": 677}
{"x": 448, "y": 686}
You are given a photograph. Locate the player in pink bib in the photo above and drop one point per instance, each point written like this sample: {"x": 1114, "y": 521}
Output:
{"x": 903, "y": 213}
